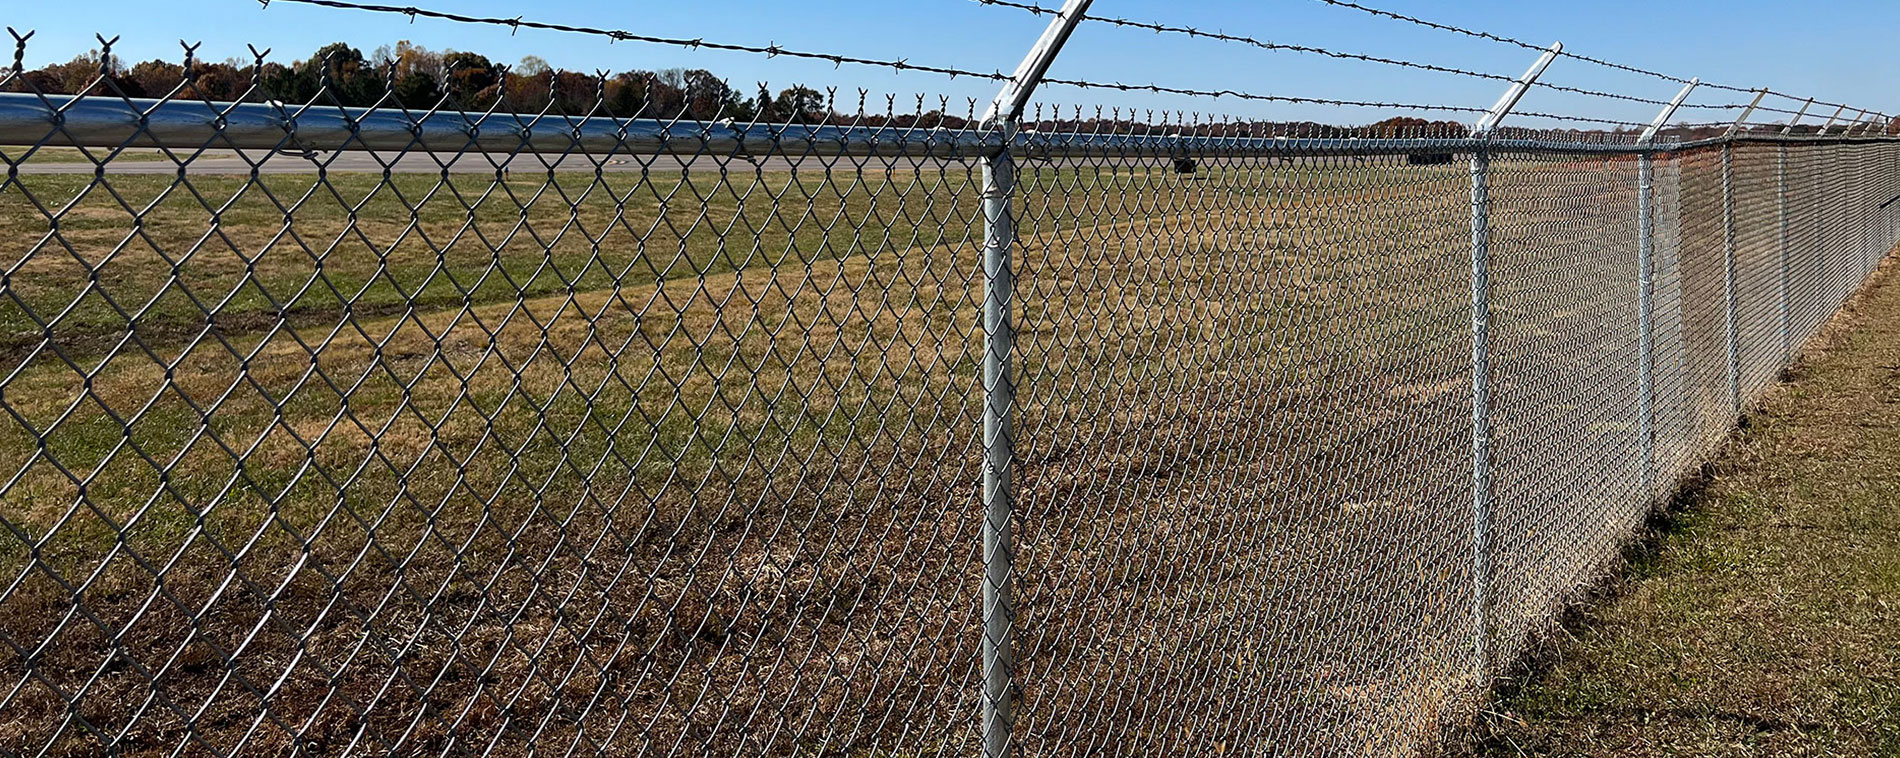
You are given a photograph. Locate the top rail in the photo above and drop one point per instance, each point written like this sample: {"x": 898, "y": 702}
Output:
{"x": 63, "y": 120}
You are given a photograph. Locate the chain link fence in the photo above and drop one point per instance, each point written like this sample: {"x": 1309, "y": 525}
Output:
{"x": 406, "y": 430}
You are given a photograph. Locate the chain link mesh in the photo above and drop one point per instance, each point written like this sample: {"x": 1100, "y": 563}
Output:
{"x": 640, "y": 445}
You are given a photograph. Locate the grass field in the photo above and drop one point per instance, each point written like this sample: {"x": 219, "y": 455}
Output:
{"x": 426, "y": 464}
{"x": 21, "y": 155}
{"x": 1759, "y": 621}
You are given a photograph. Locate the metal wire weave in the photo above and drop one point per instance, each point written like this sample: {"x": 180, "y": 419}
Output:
{"x": 425, "y": 428}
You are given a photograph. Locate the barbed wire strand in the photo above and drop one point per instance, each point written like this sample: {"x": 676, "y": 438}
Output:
{"x": 1266, "y": 45}
{"x": 1566, "y": 53}
{"x": 775, "y": 50}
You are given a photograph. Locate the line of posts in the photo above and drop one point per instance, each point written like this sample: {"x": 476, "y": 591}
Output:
{"x": 997, "y": 706}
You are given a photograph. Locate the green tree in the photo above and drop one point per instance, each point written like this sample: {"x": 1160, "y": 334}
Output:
{"x": 802, "y": 105}
{"x": 350, "y": 78}
{"x": 417, "y": 89}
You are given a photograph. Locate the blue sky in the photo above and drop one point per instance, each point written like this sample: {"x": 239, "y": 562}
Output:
{"x": 1837, "y": 50}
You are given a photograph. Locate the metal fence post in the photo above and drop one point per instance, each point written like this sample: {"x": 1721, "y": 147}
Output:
{"x": 1728, "y": 253}
{"x": 1481, "y": 352}
{"x": 1645, "y": 282}
{"x": 998, "y": 707}
{"x": 1781, "y": 216}
{"x": 999, "y": 452}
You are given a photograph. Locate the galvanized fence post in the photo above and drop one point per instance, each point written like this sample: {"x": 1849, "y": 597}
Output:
{"x": 1481, "y": 354}
{"x": 1728, "y": 254}
{"x": 1645, "y": 282}
{"x": 1781, "y": 213}
{"x": 1728, "y": 277}
{"x": 998, "y": 706}
{"x": 1781, "y": 216}
{"x": 999, "y": 453}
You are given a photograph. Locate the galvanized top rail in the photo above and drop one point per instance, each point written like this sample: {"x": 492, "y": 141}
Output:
{"x": 109, "y": 123}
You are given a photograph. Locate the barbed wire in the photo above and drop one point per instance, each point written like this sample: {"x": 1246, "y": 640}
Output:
{"x": 768, "y": 50}
{"x": 1566, "y": 53}
{"x": 1308, "y": 49}
{"x": 901, "y": 64}
{"x": 1237, "y": 95}
{"x": 1039, "y": 10}
{"x": 1580, "y": 119}
{"x": 774, "y": 50}
{"x": 1265, "y": 45}
{"x": 1505, "y": 40}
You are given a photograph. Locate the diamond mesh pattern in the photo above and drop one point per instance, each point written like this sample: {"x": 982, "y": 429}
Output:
{"x": 411, "y": 430}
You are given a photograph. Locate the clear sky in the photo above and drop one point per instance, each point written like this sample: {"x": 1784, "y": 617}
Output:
{"x": 1835, "y": 49}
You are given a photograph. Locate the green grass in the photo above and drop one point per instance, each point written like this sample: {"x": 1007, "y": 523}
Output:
{"x": 1761, "y": 619}
{"x": 21, "y": 155}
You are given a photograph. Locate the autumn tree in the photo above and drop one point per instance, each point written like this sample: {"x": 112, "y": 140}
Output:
{"x": 219, "y": 82}
{"x": 471, "y": 80}
{"x": 154, "y": 78}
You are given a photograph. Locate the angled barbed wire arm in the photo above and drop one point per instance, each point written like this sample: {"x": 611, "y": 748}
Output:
{"x": 1829, "y": 124}
{"x": 1515, "y": 92}
{"x": 1736, "y": 128}
{"x": 1656, "y": 126}
{"x": 1852, "y": 122}
{"x": 1866, "y": 122}
{"x": 1020, "y": 86}
{"x": 1645, "y": 282}
{"x": 1789, "y": 129}
{"x": 1481, "y": 355}
{"x": 997, "y": 711}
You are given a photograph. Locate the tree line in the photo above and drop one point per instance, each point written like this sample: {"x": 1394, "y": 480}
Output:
{"x": 417, "y": 77}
